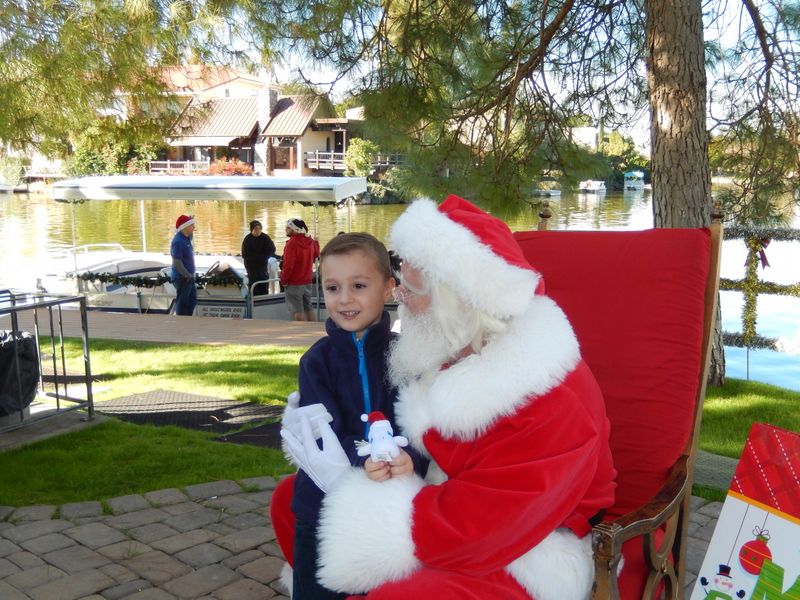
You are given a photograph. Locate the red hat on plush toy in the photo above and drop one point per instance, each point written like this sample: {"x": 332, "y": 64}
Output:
{"x": 471, "y": 251}
{"x": 184, "y": 221}
{"x": 374, "y": 416}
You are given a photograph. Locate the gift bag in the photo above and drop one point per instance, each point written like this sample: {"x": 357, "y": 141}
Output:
{"x": 755, "y": 550}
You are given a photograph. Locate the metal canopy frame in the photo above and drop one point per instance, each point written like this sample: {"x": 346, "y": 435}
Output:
{"x": 311, "y": 190}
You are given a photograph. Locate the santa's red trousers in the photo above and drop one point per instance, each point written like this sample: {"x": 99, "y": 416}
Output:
{"x": 424, "y": 583}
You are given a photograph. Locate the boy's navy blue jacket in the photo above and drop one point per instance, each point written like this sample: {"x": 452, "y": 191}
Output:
{"x": 349, "y": 377}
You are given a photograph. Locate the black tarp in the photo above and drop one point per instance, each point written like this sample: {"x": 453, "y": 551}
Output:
{"x": 17, "y": 393}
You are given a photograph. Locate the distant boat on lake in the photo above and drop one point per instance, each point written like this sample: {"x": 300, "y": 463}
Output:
{"x": 634, "y": 181}
{"x": 592, "y": 186}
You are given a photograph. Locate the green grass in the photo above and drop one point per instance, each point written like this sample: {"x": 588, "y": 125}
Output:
{"x": 730, "y": 411}
{"x": 117, "y": 458}
{"x": 264, "y": 374}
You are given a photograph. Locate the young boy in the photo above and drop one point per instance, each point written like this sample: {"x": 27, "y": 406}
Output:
{"x": 346, "y": 372}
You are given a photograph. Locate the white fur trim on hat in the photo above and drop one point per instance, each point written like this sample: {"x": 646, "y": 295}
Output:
{"x": 448, "y": 252}
{"x": 185, "y": 224}
{"x": 364, "y": 532}
{"x": 559, "y": 567}
{"x": 291, "y": 225}
{"x": 535, "y": 354}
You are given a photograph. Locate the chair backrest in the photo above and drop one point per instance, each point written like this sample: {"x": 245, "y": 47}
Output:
{"x": 637, "y": 302}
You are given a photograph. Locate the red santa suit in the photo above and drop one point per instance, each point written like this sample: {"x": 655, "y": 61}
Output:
{"x": 517, "y": 435}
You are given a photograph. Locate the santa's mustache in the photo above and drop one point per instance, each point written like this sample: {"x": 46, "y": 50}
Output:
{"x": 421, "y": 348}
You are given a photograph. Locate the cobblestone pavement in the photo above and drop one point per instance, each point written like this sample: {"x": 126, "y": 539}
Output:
{"x": 207, "y": 541}
{"x": 211, "y": 541}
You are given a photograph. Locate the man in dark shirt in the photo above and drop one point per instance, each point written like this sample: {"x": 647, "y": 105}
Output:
{"x": 257, "y": 248}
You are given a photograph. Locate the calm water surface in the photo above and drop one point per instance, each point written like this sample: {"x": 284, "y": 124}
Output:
{"x": 35, "y": 230}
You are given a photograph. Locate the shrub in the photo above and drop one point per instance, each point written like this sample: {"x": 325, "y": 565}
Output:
{"x": 359, "y": 157}
{"x": 232, "y": 166}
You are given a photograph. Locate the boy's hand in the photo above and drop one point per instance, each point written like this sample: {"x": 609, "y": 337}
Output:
{"x": 377, "y": 471}
{"x": 402, "y": 465}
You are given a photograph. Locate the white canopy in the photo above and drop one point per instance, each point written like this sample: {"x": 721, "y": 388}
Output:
{"x": 313, "y": 190}
{"x": 205, "y": 141}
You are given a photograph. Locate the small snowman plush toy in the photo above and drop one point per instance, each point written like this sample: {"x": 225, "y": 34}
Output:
{"x": 381, "y": 444}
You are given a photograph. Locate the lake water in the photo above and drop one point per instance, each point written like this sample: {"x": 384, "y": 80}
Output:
{"x": 35, "y": 230}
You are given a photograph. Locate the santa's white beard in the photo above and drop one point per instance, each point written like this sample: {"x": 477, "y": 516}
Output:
{"x": 421, "y": 348}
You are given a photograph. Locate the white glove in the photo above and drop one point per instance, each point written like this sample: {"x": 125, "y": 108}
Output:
{"x": 323, "y": 466}
{"x": 315, "y": 413}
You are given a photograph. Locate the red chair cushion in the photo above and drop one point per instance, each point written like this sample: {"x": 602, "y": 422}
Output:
{"x": 635, "y": 300}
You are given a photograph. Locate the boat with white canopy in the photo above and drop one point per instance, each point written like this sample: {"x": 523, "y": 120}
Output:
{"x": 117, "y": 279}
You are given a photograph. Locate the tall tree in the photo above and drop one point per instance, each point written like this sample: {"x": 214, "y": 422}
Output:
{"x": 482, "y": 90}
{"x": 64, "y": 63}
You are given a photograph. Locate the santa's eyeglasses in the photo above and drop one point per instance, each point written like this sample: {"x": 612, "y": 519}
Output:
{"x": 404, "y": 292}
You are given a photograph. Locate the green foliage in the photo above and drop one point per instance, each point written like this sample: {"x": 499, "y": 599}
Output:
{"x": 61, "y": 62}
{"x": 140, "y": 281}
{"x": 139, "y": 163}
{"x": 108, "y": 148}
{"x": 11, "y": 170}
{"x": 359, "y": 157}
{"x": 765, "y": 171}
{"x": 757, "y": 239}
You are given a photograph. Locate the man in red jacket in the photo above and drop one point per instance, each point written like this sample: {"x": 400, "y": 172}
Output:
{"x": 492, "y": 388}
{"x": 299, "y": 254}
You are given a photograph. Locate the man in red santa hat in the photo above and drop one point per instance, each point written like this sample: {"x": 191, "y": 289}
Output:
{"x": 493, "y": 389}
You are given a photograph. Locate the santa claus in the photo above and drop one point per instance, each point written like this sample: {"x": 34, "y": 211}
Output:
{"x": 492, "y": 388}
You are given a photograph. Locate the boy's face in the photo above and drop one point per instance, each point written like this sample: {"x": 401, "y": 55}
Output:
{"x": 355, "y": 290}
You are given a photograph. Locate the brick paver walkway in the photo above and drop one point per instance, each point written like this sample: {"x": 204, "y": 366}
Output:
{"x": 211, "y": 541}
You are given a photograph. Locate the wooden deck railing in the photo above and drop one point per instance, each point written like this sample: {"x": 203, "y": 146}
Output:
{"x": 178, "y": 167}
{"x": 334, "y": 161}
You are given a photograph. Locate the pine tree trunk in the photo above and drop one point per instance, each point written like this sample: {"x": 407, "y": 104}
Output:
{"x": 676, "y": 78}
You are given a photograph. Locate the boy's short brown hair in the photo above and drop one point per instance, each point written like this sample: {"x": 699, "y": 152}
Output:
{"x": 345, "y": 243}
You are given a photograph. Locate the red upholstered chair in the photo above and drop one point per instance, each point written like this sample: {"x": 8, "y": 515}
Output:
{"x": 642, "y": 304}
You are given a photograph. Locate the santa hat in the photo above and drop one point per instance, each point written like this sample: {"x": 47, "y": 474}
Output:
{"x": 470, "y": 251}
{"x": 296, "y": 226}
{"x": 184, "y": 221}
{"x": 374, "y": 416}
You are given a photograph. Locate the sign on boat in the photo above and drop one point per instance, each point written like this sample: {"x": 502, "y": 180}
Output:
{"x": 117, "y": 279}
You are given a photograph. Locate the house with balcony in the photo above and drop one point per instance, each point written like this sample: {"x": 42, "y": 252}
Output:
{"x": 271, "y": 132}
{"x": 238, "y": 116}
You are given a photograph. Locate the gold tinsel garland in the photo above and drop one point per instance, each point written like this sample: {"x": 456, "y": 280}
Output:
{"x": 756, "y": 239}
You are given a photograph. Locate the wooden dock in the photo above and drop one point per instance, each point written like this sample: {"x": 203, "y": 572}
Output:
{"x": 171, "y": 328}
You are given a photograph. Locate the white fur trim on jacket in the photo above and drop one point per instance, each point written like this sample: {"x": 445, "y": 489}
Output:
{"x": 533, "y": 356}
{"x": 560, "y": 567}
{"x": 287, "y": 577}
{"x": 364, "y": 532}
{"x": 450, "y": 253}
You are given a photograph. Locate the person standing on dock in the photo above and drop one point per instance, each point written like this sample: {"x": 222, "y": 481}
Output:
{"x": 257, "y": 249}
{"x": 183, "y": 270}
{"x": 299, "y": 254}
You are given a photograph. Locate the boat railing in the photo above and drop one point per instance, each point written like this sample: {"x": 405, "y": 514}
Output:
{"x": 85, "y": 248}
{"x": 39, "y": 384}
{"x": 273, "y": 287}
